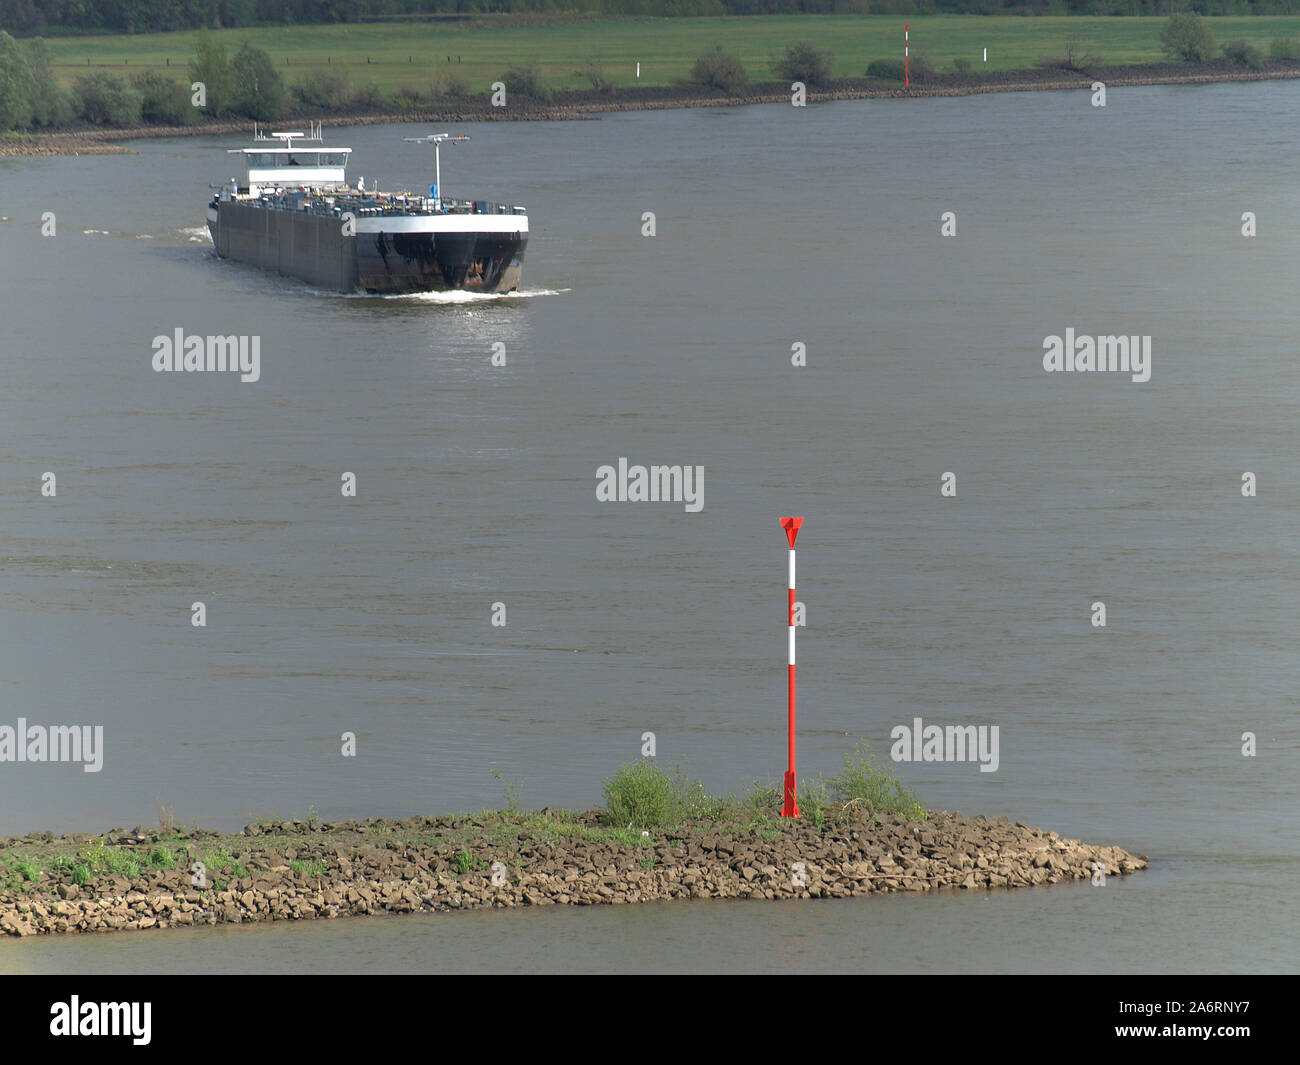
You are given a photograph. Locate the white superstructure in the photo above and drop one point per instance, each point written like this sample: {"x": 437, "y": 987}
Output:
{"x": 306, "y": 165}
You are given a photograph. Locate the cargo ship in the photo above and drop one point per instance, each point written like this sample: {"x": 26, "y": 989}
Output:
{"x": 296, "y": 214}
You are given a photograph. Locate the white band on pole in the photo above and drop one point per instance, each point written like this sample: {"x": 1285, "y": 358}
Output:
{"x": 791, "y": 569}
{"x": 791, "y": 645}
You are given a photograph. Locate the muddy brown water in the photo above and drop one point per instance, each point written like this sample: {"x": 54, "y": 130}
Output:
{"x": 476, "y": 485}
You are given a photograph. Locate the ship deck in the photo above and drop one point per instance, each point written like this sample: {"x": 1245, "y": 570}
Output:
{"x": 364, "y": 204}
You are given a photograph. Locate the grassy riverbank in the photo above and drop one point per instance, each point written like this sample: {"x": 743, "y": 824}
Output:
{"x": 661, "y": 837}
{"x": 575, "y": 104}
{"x": 415, "y": 54}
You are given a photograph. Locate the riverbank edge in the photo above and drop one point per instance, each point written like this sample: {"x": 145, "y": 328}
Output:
{"x": 304, "y": 870}
{"x": 585, "y": 104}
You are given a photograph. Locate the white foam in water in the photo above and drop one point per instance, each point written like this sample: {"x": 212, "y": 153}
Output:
{"x": 458, "y": 296}
{"x": 196, "y": 234}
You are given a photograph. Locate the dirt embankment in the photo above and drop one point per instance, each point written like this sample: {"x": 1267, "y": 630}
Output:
{"x": 579, "y": 104}
{"x": 300, "y": 870}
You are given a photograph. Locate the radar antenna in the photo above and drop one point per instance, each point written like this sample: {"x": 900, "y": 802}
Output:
{"x": 436, "y": 140}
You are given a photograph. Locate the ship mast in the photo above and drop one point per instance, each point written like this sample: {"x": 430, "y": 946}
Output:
{"x": 436, "y": 140}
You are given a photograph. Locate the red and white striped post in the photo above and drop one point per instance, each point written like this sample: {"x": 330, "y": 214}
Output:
{"x": 790, "y": 808}
{"x": 906, "y": 58}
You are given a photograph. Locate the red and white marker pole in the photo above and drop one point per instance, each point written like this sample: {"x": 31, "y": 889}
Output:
{"x": 906, "y": 58}
{"x": 789, "y": 807}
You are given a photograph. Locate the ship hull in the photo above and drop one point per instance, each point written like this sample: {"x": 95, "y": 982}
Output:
{"x": 427, "y": 262}
{"x": 387, "y": 254}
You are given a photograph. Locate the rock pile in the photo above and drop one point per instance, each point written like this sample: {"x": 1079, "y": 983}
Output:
{"x": 382, "y": 866}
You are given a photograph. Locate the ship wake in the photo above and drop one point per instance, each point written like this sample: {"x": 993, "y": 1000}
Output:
{"x": 458, "y": 295}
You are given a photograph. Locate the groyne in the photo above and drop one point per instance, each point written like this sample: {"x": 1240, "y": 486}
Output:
{"x": 304, "y": 870}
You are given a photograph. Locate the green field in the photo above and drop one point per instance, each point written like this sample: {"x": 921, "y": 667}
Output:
{"x": 415, "y": 54}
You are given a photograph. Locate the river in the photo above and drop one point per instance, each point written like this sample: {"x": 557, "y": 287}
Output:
{"x": 476, "y": 485}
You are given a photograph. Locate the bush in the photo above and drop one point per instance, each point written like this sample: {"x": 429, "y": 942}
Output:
{"x": 323, "y": 90}
{"x": 106, "y": 100}
{"x": 1243, "y": 53}
{"x": 885, "y": 69}
{"x": 720, "y": 70}
{"x": 1187, "y": 36}
{"x": 527, "y": 80}
{"x": 962, "y": 66}
{"x": 803, "y": 62}
{"x": 594, "y": 74}
{"x": 408, "y": 98}
{"x": 411, "y": 94}
{"x": 699, "y": 805}
{"x": 370, "y": 97}
{"x": 1073, "y": 58}
{"x": 163, "y": 99}
{"x": 923, "y": 67}
{"x": 256, "y": 86}
{"x": 1284, "y": 48}
{"x": 813, "y": 801}
{"x": 643, "y": 795}
{"x": 862, "y": 781}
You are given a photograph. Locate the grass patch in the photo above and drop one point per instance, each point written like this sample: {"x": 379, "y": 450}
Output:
{"x": 466, "y": 862}
{"x": 644, "y": 795}
{"x": 814, "y": 801}
{"x": 314, "y": 867}
{"x": 862, "y": 783}
{"x": 514, "y": 792}
{"x": 28, "y": 869}
{"x": 99, "y": 859}
{"x": 121, "y": 863}
{"x": 222, "y": 861}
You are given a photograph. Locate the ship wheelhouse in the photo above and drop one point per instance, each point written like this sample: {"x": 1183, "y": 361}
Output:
{"x": 310, "y": 163}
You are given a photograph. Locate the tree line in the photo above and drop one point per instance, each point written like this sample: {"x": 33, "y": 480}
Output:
{"x": 245, "y": 84}
{"x": 28, "y": 17}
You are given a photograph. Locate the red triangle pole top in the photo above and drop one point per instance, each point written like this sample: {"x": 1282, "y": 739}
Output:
{"x": 791, "y": 527}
